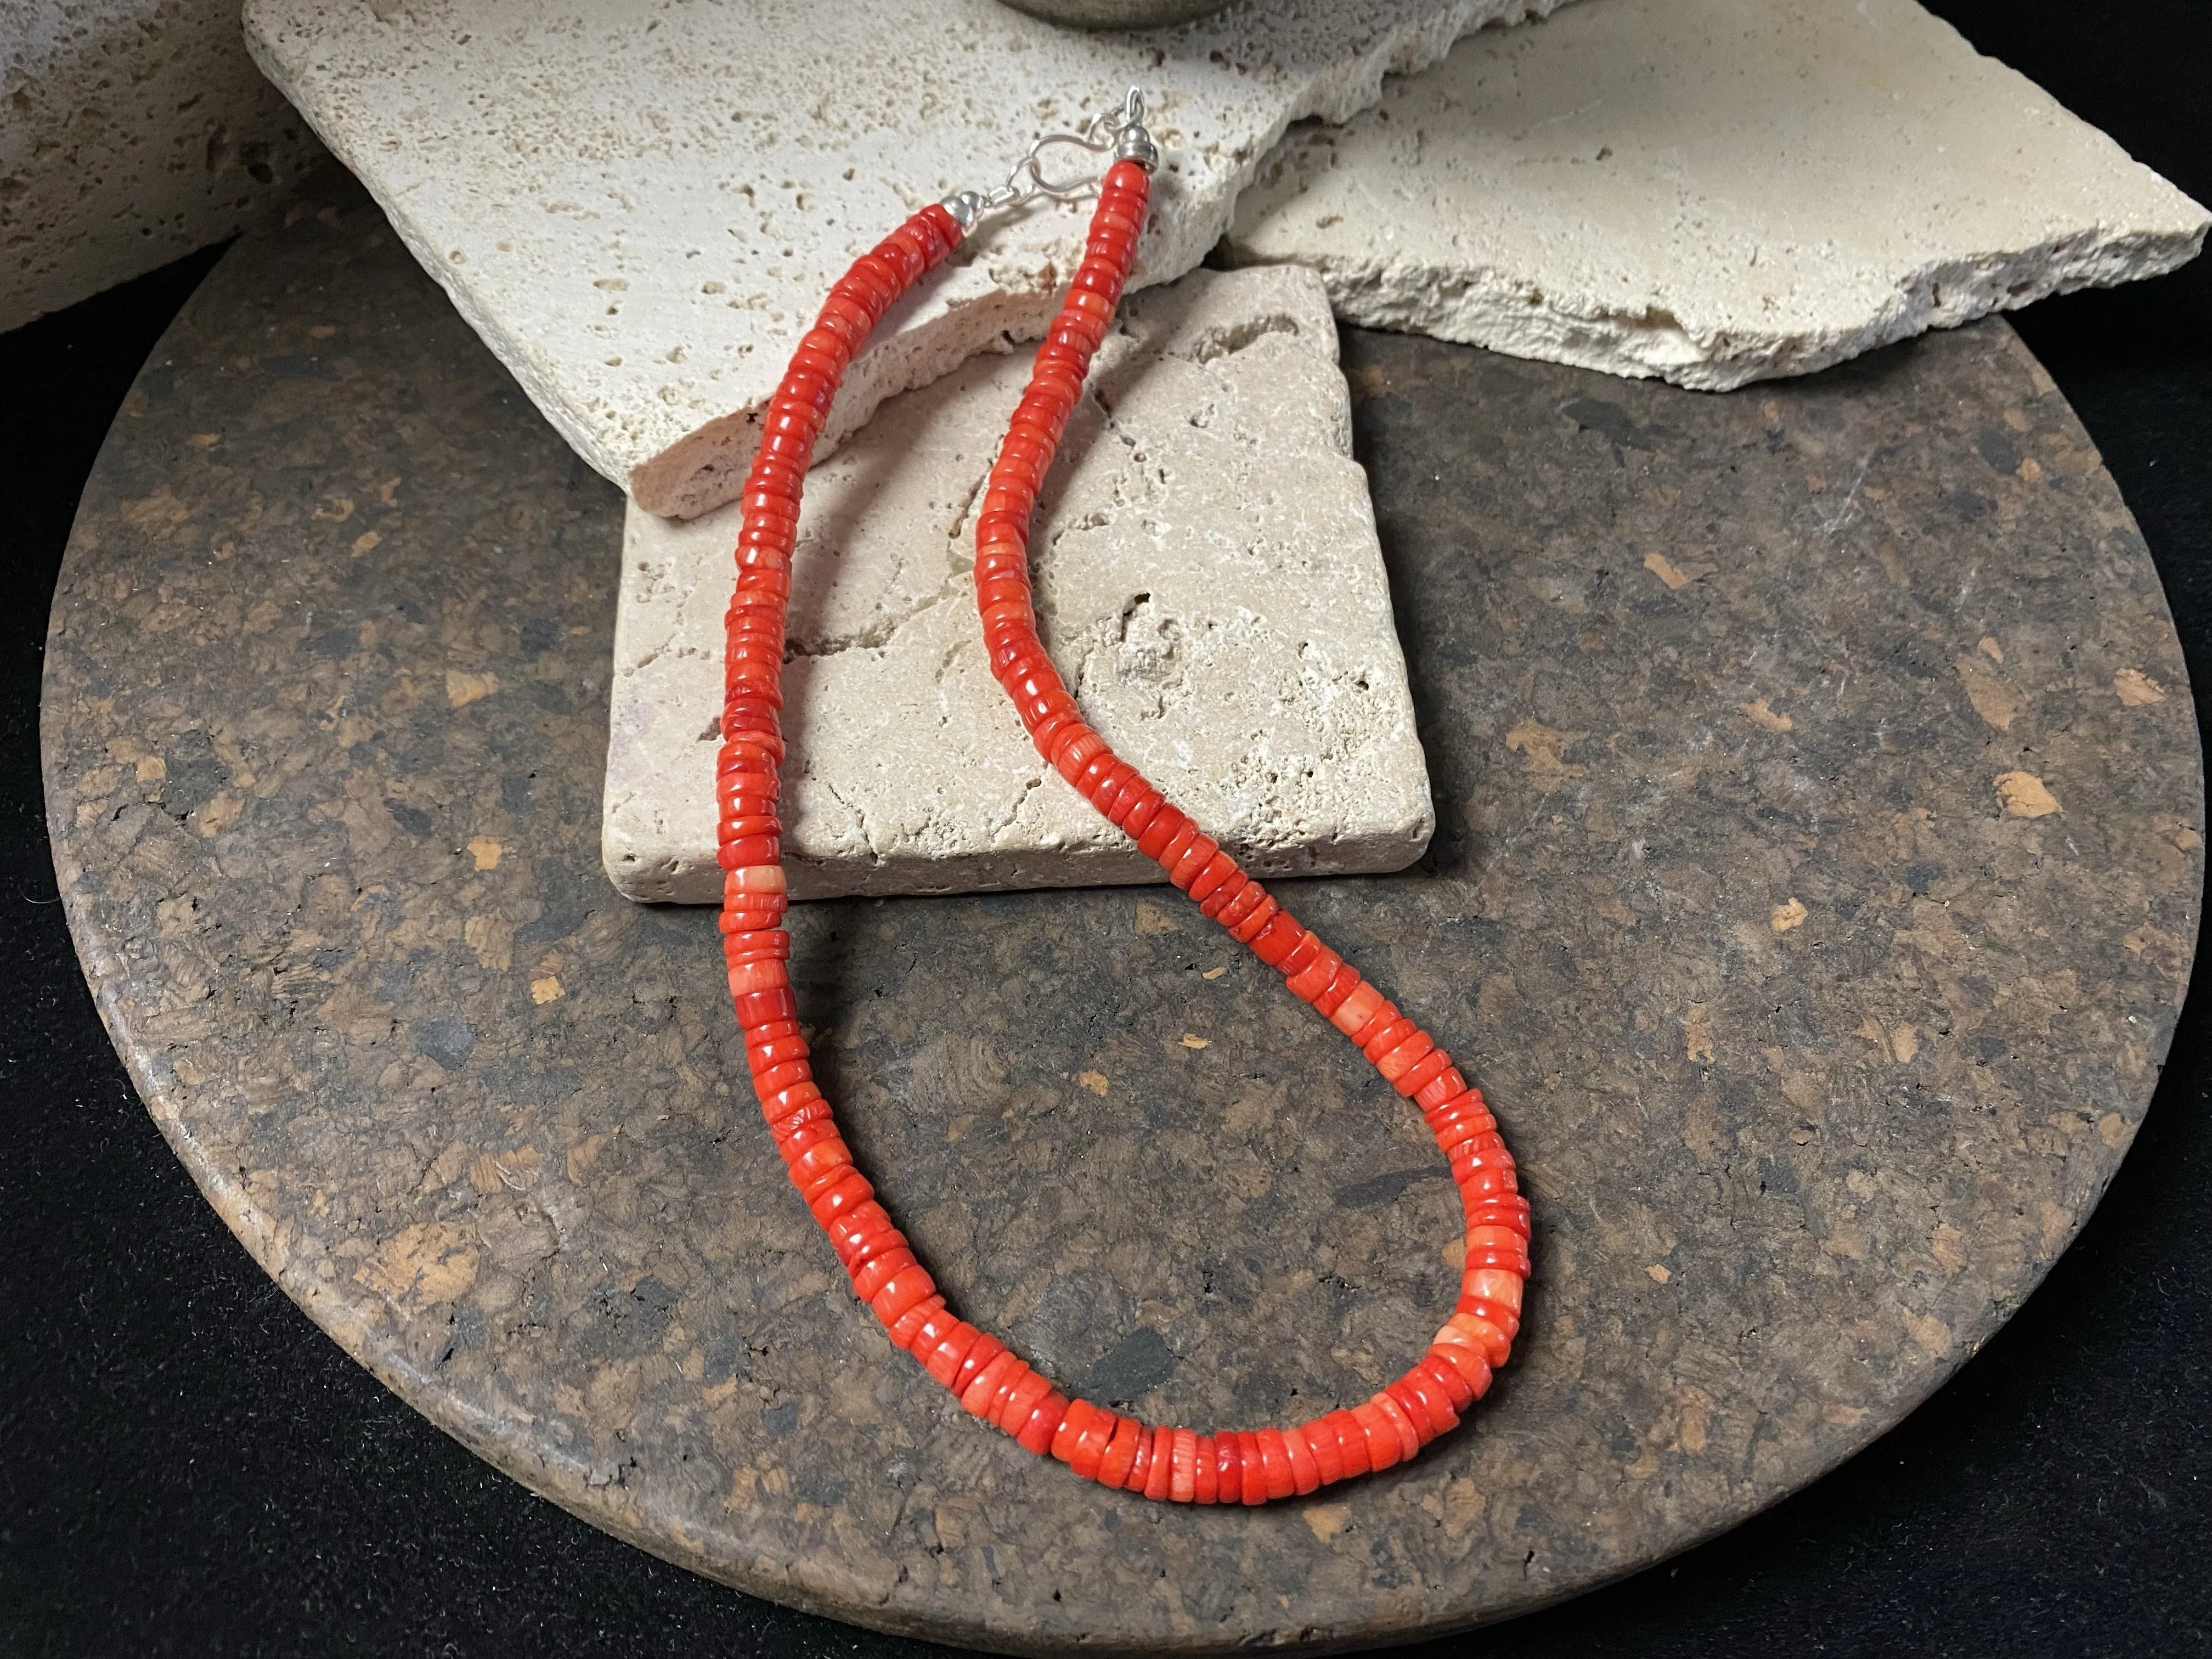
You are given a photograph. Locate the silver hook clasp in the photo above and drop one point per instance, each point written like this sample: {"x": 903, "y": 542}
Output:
{"x": 1120, "y": 133}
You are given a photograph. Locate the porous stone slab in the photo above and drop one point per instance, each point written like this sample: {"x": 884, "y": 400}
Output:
{"x": 640, "y": 203}
{"x": 135, "y": 132}
{"x": 1713, "y": 191}
{"x": 1207, "y": 580}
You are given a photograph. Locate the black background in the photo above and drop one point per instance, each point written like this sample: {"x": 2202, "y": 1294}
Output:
{"x": 187, "y": 1466}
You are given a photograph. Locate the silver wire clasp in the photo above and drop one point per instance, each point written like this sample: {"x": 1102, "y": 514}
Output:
{"x": 1118, "y": 132}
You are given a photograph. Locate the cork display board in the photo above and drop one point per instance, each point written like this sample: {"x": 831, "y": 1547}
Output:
{"x": 1817, "y": 872}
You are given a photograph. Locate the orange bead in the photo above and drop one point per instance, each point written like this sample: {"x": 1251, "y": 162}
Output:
{"x": 1493, "y": 1342}
{"x": 1092, "y": 1441}
{"x": 827, "y": 1156}
{"x": 1080, "y": 1414}
{"x": 777, "y": 1078}
{"x": 1141, "y": 1464}
{"x": 1243, "y": 902}
{"x": 1305, "y": 1467}
{"x": 1196, "y": 858}
{"x": 902, "y": 1329}
{"x": 1263, "y": 916}
{"x": 1205, "y": 1471}
{"x": 747, "y": 977}
{"x": 902, "y": 1291}
{"x": 1137, "y": 815}
{"x": 1160, "y": 1479}
{"x": 1216, "y": 872}
{"x": 1166, "y": 825}
{"x": 979, "y": 1357}
{"x": 853, "y": 1232}
{"x": 931, "y": 1329}
{"x": 1426, "y": 1405}
{"x": 782, "y": 1105}
{"x": 1380, "y": 1434}
{"x": 1309, "y": 981}
{"x": 870, "y": 1277}
{"x": 1342, "y": 985}
{"x": 1257, "y": 1487}
{"x": 1302, "y": 952}
{"x": 1402, "y": 1059}
{"x": 1228, "y": 1469}
{"x": 1121, "y": 1453}
{"x": 1275, "y": 1463}
{"x": 1350, "y": 1442}
{"x": 1182, "y": 1474}
{"x": 1457, "y": 1393}
{"x": 1409, "y": 1442}
{"x": 1422, "y": 1071}
{"x": 982, "y": 1395}
{"x": 1501, "y": 1289}
{"x": 1472, "y": 1369}
{"x": 1447, "y": 1086}
{"x": 1328, "y": 1453}
{"x": 1389, "y": 1037}
{"x": 845, "y": 1191}
{"x": 1027, "y": 1394}
{"x": 1185, "y": 835}
{"x": 1273, "y": 943}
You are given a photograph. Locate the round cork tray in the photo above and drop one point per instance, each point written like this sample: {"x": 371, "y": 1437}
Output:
{"x": 1817, "y": 874}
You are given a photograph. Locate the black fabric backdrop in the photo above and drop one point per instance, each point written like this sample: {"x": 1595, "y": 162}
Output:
{"x": 188, "y": 1466}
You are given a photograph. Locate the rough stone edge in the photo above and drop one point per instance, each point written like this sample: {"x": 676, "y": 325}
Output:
{"x": 1483, "y": 307}
{"x": 1479, "y": 306}
{"x": 675, "y": 879}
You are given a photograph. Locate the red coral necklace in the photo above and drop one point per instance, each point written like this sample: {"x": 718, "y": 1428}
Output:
{"x": 990, "y": 1380}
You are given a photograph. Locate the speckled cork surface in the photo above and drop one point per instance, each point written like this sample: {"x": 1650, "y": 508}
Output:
{"x": 1817, "y": 871}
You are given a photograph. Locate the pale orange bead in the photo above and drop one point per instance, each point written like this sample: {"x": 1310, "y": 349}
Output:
{"x": 1182, "y": 1471}
{"x": 1493, "y": 1285}
{"x": 1356, "y": 1010}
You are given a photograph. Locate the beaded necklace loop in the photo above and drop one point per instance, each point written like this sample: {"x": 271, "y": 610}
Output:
{"x": 991, "y": 1381}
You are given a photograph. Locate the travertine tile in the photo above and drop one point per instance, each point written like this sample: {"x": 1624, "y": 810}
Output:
{"x": 1208, "y": 581}
{"x": 1712, "y": 191}
{"x": 135, "y": 132}
{"x": 638, "y": 203}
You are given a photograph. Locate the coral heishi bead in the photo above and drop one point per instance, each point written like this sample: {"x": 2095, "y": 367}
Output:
{"x": 988, "y": 1379}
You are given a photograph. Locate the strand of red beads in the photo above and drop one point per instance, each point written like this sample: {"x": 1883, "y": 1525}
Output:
{"x": 1230, "y": 1467}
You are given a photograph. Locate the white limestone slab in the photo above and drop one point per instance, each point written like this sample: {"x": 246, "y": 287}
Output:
{"x": 1710, "y": 190}
{"x": 1208, "y": 581}
{"x": 132, "y": 132}
{"x": 640, "y": 203}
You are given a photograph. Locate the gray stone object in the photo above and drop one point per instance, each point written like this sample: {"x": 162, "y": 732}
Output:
{"x": 1206, "y": 577}
{"x": 1818, "y": 862}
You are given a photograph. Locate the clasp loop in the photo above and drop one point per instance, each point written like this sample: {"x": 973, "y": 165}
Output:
{"x": 1120, "y": 133}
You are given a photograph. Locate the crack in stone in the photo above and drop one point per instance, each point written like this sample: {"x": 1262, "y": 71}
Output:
{"x": 1029, "y": 786}
{"x": 877, "y": 634}
{"x": 860, "y": 817}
